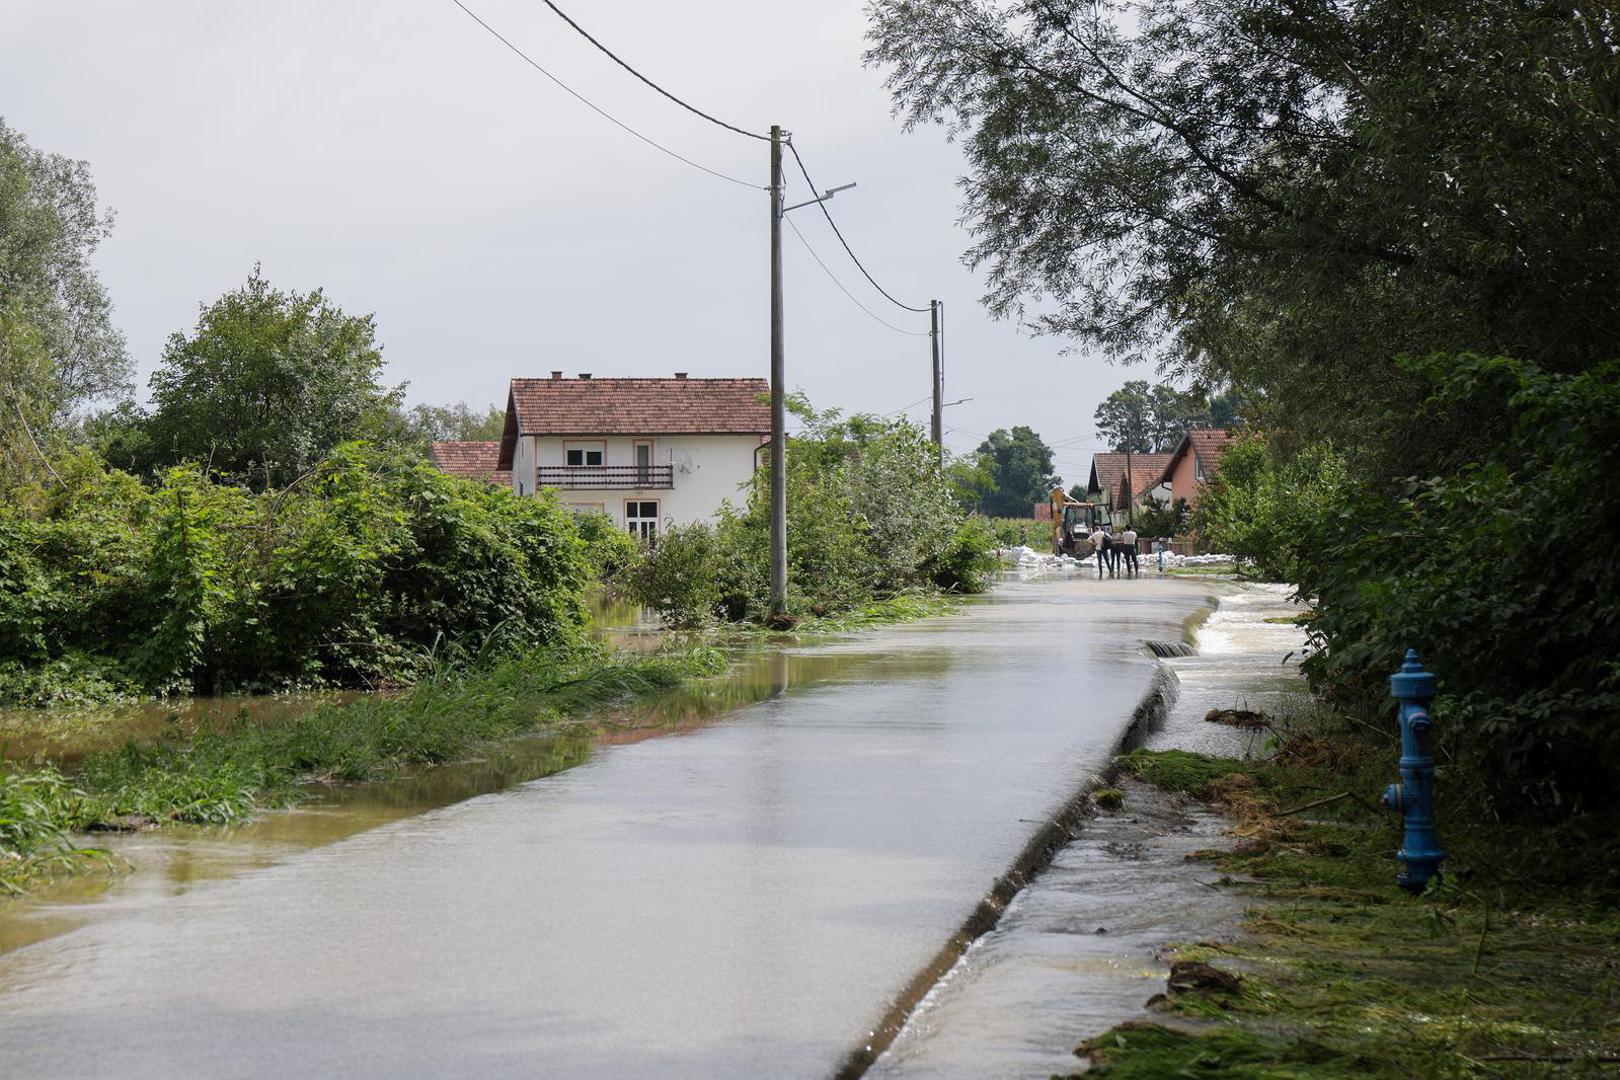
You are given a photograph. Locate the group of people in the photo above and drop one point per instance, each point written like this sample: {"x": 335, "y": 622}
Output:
{"x": 1114, "y": 548}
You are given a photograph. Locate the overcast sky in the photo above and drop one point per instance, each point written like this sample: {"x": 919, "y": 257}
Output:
{"x": 394, "y": 153}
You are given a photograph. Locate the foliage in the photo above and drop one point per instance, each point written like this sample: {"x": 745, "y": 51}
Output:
{"x": 679, "y": 579}
{"x": 609, "y": 550}
{"x": 1012, "y": 531}
{"x": 267, "y": 385}
{"x": 1285, "y": 196}
{"x": 36, "y": 812}
{"x": 58, "y": 348}
{"x": 1503, "y": 575}
{"x": 1019, "y": 464}
{"x": 1262, "y": 509}
{"x": 355, "y": 576}
{"x": 1156, "y": 517}
{"x": 969, "y": 479}
{"x": 422, "y": 424}
{"x": 869, "y": 517}
{"x": 1147, "y": 419}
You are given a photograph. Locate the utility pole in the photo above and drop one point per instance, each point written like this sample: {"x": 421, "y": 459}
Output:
{"x": 937, "y": 429}
{"x": 1130, "y": 489}
{"x": 778, "y": 393}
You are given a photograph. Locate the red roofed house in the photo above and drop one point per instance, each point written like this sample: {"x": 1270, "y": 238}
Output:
{"x": 1112, "y": 474}
{"x": 643, "y": 451}
{"x": 470, "y": 459}
{"x": 1197, "y": 459}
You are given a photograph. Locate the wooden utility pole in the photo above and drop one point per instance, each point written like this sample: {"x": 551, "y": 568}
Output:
{"x": 1130, "y": 489}
{"x": 937, "y": 428}
{"x": 778, "y": 393}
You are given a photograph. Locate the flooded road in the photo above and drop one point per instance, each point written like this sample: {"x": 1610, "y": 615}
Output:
{"x": 743, "y": 900}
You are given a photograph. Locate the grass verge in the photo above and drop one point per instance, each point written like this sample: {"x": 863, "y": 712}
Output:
{"x": 1510, "y": 967}
{"x": 225, "y": 775}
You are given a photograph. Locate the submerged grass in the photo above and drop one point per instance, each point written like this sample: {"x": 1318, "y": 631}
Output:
{"x": 217, "y": 776}
{"x": 1510, "y": 967}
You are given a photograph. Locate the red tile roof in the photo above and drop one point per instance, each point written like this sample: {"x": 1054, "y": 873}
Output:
{"x": 641, "y": 406}
{"x": 1108, "y": 473}
{"x": 470, "y": 459}
{"x": 1207, "y": 445}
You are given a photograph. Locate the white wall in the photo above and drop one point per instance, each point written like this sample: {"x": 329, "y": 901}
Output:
{"x": 708, "y": 469}
{"x": 523, "y": 467}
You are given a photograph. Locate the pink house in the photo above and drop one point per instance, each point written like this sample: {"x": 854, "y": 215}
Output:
{"x": 1196, "y": 460}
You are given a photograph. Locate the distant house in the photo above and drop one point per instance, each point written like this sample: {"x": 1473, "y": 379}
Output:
{"x": 642, "y": 451}
{"x": 471, "y": 460}
{"x": 1119, "y": 481}
{"x": 1196, "y": 460}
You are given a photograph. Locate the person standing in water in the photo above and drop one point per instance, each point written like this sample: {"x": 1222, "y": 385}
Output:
{"x": 1127, "y": 548}
{"x": 1100, "y": 544}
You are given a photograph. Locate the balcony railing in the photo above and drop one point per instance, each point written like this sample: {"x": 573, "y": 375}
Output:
{"x": 597, "y": 477}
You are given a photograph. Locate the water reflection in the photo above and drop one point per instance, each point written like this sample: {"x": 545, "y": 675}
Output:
{"x": 170, "y": 861}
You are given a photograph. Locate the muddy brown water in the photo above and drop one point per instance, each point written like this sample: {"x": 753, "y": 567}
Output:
{"x": 744, "y": 900}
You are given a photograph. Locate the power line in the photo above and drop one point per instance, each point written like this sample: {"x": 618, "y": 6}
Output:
{"x": 903, "y": 408}
{"x": 834, "y": 278}
{"x": 828, "y": 215}
{"x": 597, "y": 108}
{"x": 610, "y": 55}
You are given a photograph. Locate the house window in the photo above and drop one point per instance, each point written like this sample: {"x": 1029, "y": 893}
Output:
{"x": 641, "y": 518}
{"x": 644, "y": 460}
{"x": 578, "y": 454}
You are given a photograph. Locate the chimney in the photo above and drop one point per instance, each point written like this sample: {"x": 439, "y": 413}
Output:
{"x": 556, "y": 376}
{"x": 585, "y": 375}
{"x": 680, "y": 375}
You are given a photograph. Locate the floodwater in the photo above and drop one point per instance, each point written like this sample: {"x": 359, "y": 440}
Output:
{"x": 745, "y": 900}
{"x": 1080, "y": 949}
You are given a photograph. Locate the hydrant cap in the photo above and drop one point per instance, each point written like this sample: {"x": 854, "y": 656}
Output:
{"x": 1412, "y": 681}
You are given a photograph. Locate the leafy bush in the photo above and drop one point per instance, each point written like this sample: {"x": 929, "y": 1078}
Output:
{"x": 1263, "y": 510}
{"x": 677, "y": 578}
{"x": 1502, "y": 574}
{"x": 356, "y": 575}
{"x": 869, "y": 517}
{"x": 609, "y": 550}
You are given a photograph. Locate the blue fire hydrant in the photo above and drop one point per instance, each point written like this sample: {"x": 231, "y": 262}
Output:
{"x": 1413, "y": 796}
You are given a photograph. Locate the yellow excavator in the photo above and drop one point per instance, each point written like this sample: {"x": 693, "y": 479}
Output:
{"x": 1072, "y": 523}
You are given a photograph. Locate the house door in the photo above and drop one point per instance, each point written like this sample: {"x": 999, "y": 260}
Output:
{"x": 644, "y": 460}
{"x": 641, "y": 519}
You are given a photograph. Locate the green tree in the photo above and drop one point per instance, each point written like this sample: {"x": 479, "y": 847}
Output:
{"x": 421, "y": 424}
{"x": 58, "y": 348}
{"x": 1020, "y": 466}
{"x": 268, "y": 384}
{"x": 1286, "y": 195}
{"x": 1149, "y": 419}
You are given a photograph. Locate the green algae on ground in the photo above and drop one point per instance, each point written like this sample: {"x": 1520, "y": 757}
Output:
{"x": 1498, "y": 973}
{"x": 1108, "y": 798}
{"x": 1181, "y": 771}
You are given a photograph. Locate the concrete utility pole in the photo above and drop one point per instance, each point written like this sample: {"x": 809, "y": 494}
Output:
{"x": 1130, "y": 489}
{"x": 937, "y": 428}
{"x": 778, "y": 393}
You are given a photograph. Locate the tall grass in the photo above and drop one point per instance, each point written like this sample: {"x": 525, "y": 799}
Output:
{"x": 36, "y": 812}
{"x": 217, "y": 776}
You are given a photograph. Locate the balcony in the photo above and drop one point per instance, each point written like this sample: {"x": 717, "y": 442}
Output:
{"x": 606, "y": 477}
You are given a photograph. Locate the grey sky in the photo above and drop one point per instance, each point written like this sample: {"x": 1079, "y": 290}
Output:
{"x": 394, "y": 153}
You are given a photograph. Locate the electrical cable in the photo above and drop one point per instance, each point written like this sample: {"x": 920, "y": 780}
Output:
{"x": 834, "y": 278}
{"x": 848, "y": 250}
{"x": 913, "y": 405}
{"x": 598, "y": 109}
{"x": 610, "y": 55}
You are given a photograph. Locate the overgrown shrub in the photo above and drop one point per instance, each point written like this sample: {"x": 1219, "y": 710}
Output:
{"x": 1502, "y": 574}
{"x": 356, "y": 575}
{"x": 869, "y": 517}
{"x": 609, "y": 550}
{"x": 1262, "y": 508}
{"x": 677, "y": 577}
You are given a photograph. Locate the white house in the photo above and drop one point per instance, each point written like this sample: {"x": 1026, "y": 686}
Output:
{"x": 643, "y": 451}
